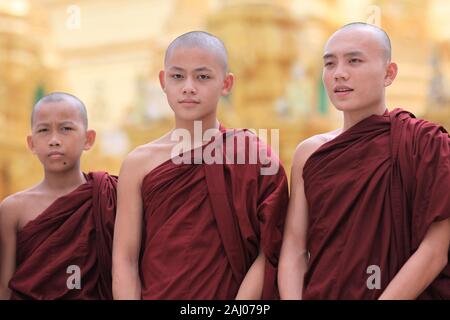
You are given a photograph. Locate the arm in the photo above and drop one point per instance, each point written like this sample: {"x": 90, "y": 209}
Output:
{"x": 293, "y": 258}
{"x": 7, "y": 249}
{"x": 252, "y": 285}
{"x": 127, "y": 233}
{"x": 423, "y": 266}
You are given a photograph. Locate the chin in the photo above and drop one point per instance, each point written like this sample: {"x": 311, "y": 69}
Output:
{"x": 59, "y": 168}
{"x": 192, "y": 116}
{"x": 342, "y": 107}
{"x": 347, "y": 107}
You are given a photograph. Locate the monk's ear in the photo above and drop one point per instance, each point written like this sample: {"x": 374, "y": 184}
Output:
{"x": 227, "y": 84}
{"x": 391, "y": 73}
{"x": 90, "y": 139}
{"x": 162, "y": 80}
{"x": 30, "y": 143}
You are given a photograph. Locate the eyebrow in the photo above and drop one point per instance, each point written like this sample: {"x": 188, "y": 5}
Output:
{"x": 348, "y": 54}
{"x": 46, "y": 124}
{"x": 174, "y": 68}
{"x": 203, "y": 69}
{"x": 68, "y": 122}
{"x": 42, "y": 124}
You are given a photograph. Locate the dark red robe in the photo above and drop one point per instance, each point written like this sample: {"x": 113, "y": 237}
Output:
{"x": 75, "y": 230}
{"x": 204, "y": 225}
{"x": 372, "y": 194}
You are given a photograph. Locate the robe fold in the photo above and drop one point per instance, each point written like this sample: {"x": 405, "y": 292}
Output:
{"x": 372, "y": 193}
{"x": 69, "y": 243}
{"x": 205, "y": 223}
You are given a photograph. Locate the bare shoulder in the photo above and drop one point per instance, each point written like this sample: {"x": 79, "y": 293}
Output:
{"x": 310, "y": 145}
{"x": 13, "y": 206}
{"x": 146, "y": 157}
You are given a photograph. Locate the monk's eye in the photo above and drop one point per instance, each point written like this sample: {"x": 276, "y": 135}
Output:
{"x": 355, "y": 61}
{"x": 203, "y": 77}
{"x": 42, "y": 130}
{"x": 67, "y": 128}
{"x": 177, "y": 76}
{"x": 328, "y": 64}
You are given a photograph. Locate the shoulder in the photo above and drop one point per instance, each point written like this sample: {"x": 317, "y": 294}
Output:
{"x": 17, "y": 200}
{"x": 250, "y": 141}
{"x": 253, "y": 145}
{"x": 145, "y": 157}
{"x": 103, "y": 179}
{"x": 12, "y": 206}
{"x": 419, "y": 132}
{"x": 428, "y": 129}
{"x": 310, "y": 145}
{"x": 146, "y": 152}
{"x": 417, "y": 126}
{"x": 140, "y": 153}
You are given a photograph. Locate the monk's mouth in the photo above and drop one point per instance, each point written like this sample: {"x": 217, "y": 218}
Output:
{"x": 189, "y": 102}
{"x": 56, "y": 155}
{"x": 343, "y": 92}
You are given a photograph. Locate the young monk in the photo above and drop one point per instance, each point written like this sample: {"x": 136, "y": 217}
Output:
{"x": 56, "y": 237}
{"x": 197, "y": 230}
{"x": 369, "y": 211}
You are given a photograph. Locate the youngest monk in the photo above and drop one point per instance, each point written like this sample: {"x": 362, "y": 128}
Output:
{"x": 56, "y": 237}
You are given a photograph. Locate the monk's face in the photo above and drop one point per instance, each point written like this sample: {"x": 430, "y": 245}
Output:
{"x": 356, "y": 70}
{"x": 59, "y": 136}
{"x": 193, "y": 81}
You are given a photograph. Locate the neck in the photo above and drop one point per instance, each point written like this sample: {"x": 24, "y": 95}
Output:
{"x": 63, "y": 182}
{"x": 197, "y": 128}
{"x": 353, "y": 117}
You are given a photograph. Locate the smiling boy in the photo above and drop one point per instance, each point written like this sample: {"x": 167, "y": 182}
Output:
{"x": 194, "y": 230}
{"x": 56, "y": 237}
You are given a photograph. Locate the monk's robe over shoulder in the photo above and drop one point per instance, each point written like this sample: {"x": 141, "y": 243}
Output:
{"x": 75, "y": 231}
{"x": 204, "y": 225}
{"x": 426, "y": 175}
{"x": 372, "y": 194}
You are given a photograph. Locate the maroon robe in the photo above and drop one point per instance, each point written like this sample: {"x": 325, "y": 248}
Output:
{"x": 372, "y": 194}
{"x": 75, "y": 230}
{"x": 205, "y": 223}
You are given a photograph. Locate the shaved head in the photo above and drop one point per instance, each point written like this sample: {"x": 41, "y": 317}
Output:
{"x": 383, "y": 37}
{"x": 202, "y": 40}
{"x": 58, "y": 97}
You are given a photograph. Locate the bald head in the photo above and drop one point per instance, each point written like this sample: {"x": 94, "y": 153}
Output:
{"x": 202, "y": 40}
{"x": 62, "y": 97}
{"x": 381, "y": 35}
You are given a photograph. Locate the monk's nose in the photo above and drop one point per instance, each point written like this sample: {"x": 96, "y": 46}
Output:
{"x": 54, "y": 141}
{"x": 340, "y": 73}
{"x": 189, "y": 88}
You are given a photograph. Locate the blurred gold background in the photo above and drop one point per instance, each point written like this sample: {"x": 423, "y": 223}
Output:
{"x": 109, "y": 52}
